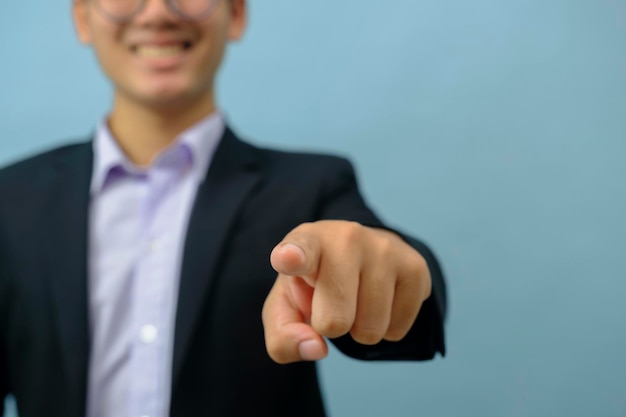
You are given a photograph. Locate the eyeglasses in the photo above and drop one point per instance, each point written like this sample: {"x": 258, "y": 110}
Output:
{"x": 125, "y": 10}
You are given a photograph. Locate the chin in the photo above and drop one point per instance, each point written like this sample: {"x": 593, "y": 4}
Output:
{"x": 167, "y": 99}
{"x": 166, "y": 96}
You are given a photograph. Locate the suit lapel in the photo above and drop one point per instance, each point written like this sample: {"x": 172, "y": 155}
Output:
{"x": 66, "y": 249}
{"x": 233, "y": 173}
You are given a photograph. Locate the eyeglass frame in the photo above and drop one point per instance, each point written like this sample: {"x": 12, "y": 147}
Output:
{"x": 171, "y": 5}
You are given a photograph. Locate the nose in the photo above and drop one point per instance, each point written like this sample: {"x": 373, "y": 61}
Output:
{"x": 154, "y": 11}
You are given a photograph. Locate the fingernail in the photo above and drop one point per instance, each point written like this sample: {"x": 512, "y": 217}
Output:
{"x": 297, "y": 249}
{"x": 311, "y": 350}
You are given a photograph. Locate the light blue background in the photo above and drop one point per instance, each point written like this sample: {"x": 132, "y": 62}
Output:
{"x": 494, "y": 129}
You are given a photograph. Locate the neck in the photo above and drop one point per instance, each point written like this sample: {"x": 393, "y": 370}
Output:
{"x": 143, "y": 132}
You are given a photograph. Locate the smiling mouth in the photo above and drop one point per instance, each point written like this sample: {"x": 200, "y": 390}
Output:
{"x": 161, "y": 51}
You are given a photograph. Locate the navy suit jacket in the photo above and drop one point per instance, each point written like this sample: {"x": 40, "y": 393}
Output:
{"x": 250, "y": 199}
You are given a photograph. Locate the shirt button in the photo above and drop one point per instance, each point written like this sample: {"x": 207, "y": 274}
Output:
{"x": 148, "y": 333}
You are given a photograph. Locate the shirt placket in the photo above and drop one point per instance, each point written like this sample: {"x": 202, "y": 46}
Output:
{"x": 151, "y": 289}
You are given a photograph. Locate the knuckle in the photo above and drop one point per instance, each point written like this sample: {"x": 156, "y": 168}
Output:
{"x": 417, "y": 276}
{"x": 352, "y": 232}
{"x": 277, "y": 348}
{"x": 386, "y": 247}
{"x": 367, "y": 335}
{"x": 396, "y": 334}
{"x": 417, "y": 264}
{"x": 277, "y": 352}
{"x": 332, "y": 326}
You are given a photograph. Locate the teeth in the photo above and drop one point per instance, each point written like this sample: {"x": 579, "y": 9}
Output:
{"x": 159, "y": 51}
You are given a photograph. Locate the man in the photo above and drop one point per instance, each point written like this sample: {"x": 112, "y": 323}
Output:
{"x": 134, "y": 273}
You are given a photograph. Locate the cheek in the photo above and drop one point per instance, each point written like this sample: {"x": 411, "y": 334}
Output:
{"x": 111, "y": 54}
{"x": 105, "y": 38}
{"x": 213, "y": 50}
{"x": 109, "y": 59}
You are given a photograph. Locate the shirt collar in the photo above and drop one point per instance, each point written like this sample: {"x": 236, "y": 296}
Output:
{"x": 200, "y": 141}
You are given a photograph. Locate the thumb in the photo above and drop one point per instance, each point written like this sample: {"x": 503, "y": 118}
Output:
{"x": 288, "y": 337}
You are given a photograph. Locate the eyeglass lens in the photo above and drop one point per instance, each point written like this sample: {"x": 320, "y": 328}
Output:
{"x": 126, "y": 9}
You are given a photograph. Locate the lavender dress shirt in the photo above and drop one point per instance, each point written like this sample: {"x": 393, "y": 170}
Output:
{"x": 138, "y": 222}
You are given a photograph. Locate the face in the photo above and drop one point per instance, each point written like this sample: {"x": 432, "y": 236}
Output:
{"x": 157, "y": 59}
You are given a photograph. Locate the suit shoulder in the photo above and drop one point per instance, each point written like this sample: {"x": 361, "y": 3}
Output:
{"x": 37, "y": 166}
{"x": 298, "y": 161}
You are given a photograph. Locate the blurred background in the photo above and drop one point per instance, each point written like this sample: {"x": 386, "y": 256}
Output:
{"x": 493, "y": 129}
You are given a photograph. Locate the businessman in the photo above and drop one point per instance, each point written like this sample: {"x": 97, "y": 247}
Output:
{"x": 167, "y": 268}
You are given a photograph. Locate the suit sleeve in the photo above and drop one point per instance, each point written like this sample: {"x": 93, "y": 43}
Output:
{"x": 4, "y": 383}
{"x": 3, "y": 379}
{"x": 5, "y": 297}
{"x": 343, "y": 201}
